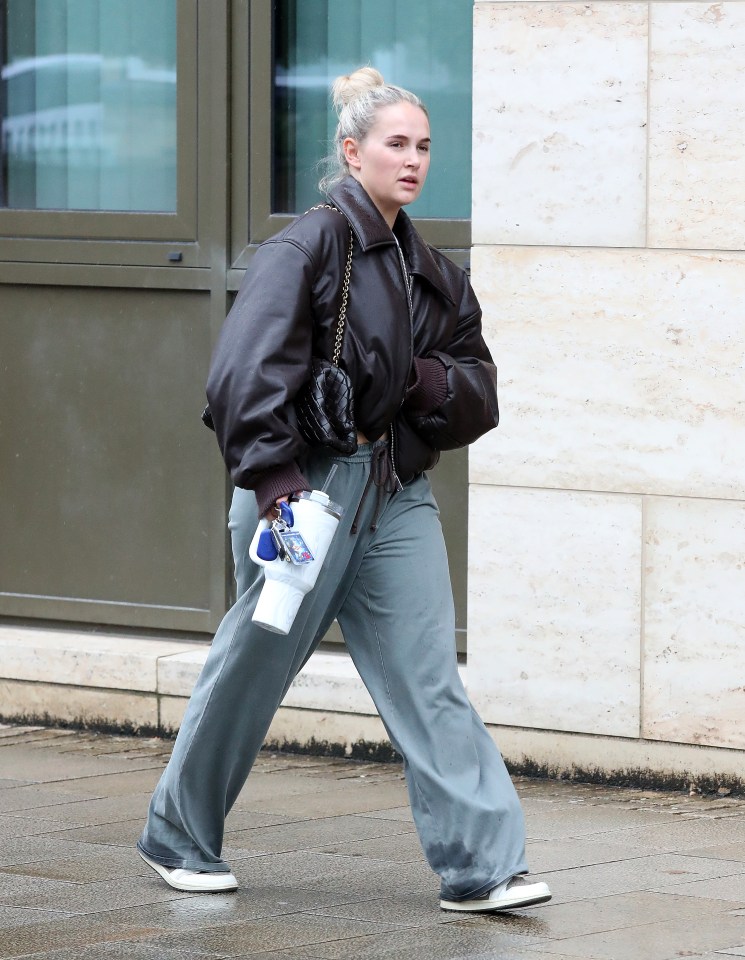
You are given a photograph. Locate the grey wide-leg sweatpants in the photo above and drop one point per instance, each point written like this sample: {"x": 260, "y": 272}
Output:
{"x": 390, "y": 590}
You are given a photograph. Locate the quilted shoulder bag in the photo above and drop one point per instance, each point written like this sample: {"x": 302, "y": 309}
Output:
{"x": 325, "y": 404}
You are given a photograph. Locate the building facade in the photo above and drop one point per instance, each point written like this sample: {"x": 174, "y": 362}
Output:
{"x": 601, "y": 576}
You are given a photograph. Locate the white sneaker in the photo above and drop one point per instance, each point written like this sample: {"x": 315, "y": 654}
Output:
{"x": 513, "y": 893}
{"x": 192, "y": 881}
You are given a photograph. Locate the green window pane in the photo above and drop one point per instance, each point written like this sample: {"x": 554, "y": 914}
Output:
{"x": 423, "y": 45}
{"x": 88, "y": 105}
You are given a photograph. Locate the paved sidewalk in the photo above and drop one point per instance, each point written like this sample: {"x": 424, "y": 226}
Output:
{"x": 329, "y": 867}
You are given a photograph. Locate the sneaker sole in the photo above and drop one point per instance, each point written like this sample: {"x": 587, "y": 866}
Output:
{"x": 483, "y": 906}
{"x": 187, "y": 887}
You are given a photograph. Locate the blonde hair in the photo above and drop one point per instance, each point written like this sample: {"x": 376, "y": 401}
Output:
{"x": 357, "y": 98}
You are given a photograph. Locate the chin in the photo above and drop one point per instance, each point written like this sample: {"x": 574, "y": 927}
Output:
{"x": 409, "y": 197}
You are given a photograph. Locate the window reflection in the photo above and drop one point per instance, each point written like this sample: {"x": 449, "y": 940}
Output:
{"x": 88, "y": 105}
{"x": 425, "y": 45}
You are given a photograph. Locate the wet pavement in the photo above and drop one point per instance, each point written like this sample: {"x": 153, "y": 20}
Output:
{"x": 329, "y": 866}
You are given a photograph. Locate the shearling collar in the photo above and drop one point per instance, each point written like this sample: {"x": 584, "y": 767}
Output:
{"x": 372, "y": 231}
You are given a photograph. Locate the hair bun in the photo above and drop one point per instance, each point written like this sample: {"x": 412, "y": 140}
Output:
{"x": 357, "y": 84}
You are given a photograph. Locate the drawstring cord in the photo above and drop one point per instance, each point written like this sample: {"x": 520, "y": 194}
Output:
{"x": 382, "y": 475}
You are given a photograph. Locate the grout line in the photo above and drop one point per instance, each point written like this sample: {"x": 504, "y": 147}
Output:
{"x": 608, "y": 493}
{"x": 649, "y": 113}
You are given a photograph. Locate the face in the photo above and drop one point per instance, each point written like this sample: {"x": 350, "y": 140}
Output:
{"x": 392, "y": 161}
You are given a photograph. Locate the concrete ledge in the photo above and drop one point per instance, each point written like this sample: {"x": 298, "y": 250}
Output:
{"x": 83, "y": 659}
{"x": 560, "y": 753}
{"x": 54, "y": 668}
{"x": 323, "y": 726}
{"x": 132, "y": 682}
{"x": 329, "y": 681}
{"x": 58, "y": 702}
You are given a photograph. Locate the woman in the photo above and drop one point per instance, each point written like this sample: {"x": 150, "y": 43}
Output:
{"x": 423, "y": 381}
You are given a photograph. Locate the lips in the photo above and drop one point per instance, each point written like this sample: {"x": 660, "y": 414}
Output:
{"x": 409, "y": 181}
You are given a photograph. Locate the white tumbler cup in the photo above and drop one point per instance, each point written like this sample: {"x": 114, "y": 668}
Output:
{"x": 316, "y": 517}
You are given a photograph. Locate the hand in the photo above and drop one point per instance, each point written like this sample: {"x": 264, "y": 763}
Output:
{"x": 272, "y": 514}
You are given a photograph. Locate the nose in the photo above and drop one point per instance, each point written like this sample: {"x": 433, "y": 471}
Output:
{"x": 413, "y": 159}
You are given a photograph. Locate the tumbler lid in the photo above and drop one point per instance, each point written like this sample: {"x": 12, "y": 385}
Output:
{"x": 322, "y": 499}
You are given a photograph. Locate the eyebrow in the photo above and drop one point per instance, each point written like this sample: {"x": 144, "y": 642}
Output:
{"x": 402, "y": 136}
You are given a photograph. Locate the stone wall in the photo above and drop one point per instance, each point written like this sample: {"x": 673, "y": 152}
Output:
{"x": 607, "y": 514}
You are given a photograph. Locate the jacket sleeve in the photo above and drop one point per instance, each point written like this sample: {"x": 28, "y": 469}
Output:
{"x": 261, "y": 359}
{"x": 470, "y": 407}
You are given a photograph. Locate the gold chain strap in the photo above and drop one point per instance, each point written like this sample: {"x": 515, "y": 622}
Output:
{"x": 345, "y": 287}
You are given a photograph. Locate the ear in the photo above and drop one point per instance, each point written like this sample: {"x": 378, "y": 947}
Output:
{"x": 352, "y": 153}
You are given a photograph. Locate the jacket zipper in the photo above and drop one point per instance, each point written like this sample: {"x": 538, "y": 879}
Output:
{"x": 407, "y": 285}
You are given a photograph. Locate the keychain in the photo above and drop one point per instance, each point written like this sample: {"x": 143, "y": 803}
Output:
{"x": 283, "y": 542}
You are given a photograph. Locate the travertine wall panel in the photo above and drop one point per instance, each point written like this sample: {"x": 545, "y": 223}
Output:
{"x": 554, "y": 614}
{"x": 560, "y": 113}
{"x": 620, "y": 370}
{"x": 696, "y": 124}
{"x": 694, "y": 649}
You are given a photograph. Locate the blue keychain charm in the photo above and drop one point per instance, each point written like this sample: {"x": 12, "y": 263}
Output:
{"x": 267, "y": 548}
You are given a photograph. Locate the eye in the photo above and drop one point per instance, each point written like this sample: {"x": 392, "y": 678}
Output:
{"x": 424, "y": 147}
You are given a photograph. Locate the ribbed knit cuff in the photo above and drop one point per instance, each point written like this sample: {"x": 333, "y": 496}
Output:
{"x": 428, "y": 387}
{"x": 278, "y": 483}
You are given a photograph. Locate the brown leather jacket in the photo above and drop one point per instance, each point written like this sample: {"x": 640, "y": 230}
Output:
{"x": 427, "y": 374}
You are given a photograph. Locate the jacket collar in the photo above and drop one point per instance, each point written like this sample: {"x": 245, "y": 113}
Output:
{"x": 372, "y": 231}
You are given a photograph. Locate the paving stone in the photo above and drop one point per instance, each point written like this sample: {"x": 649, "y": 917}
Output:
{"x": 68, "y": 932}
{"x": 629, "y": 876}
{"x": 444, "y": 942}
{"x": 555, "y": 820}
{"x": 19, "y": 916}
{"x": 679, "y": 836}
{"x": 346, "y": 875}
{"x": 394, "y": 813}
{"x": 550, "y": 855}
{"x": 271, "y": 786}
{"x": 527, "y": 953}
{"x": 26, "y": 850}
{"x": 310, "y": 834}
{"x": 409, "y": 908}
{"x": 26, "y": 827}
{"x": 50, "y": 764}
{"x": 95, "y": 862}
{"x": 329, "y": 866}
{"x": 300, "y": 867}
{"x": 342, "y": 798}
{"x": 253, "y": 819}
{"x": 30, "y": 735}
{"x": 6, "y": 783}
{"x": 121, "y": 784}
{"x": 401, "y": 848}
{"x": 298, "y": 930}
{"x": 292, "y": 954}
{"x": 722, "y": 851}
{"x": 123, "y": 833}
{"x": 84, "y": 898}
{"x": 657, "y": 941}
{"x": 124, "y": 950}
{"x": 75, "y": 813}
{"x": 328, "y": 767}
{"x": 34, "y": 797}
{"x": 250, "y": 902}
{"x": 730, "y": 888}
{"x": 624, "y": 911}
{"x": 19, "y": 890}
